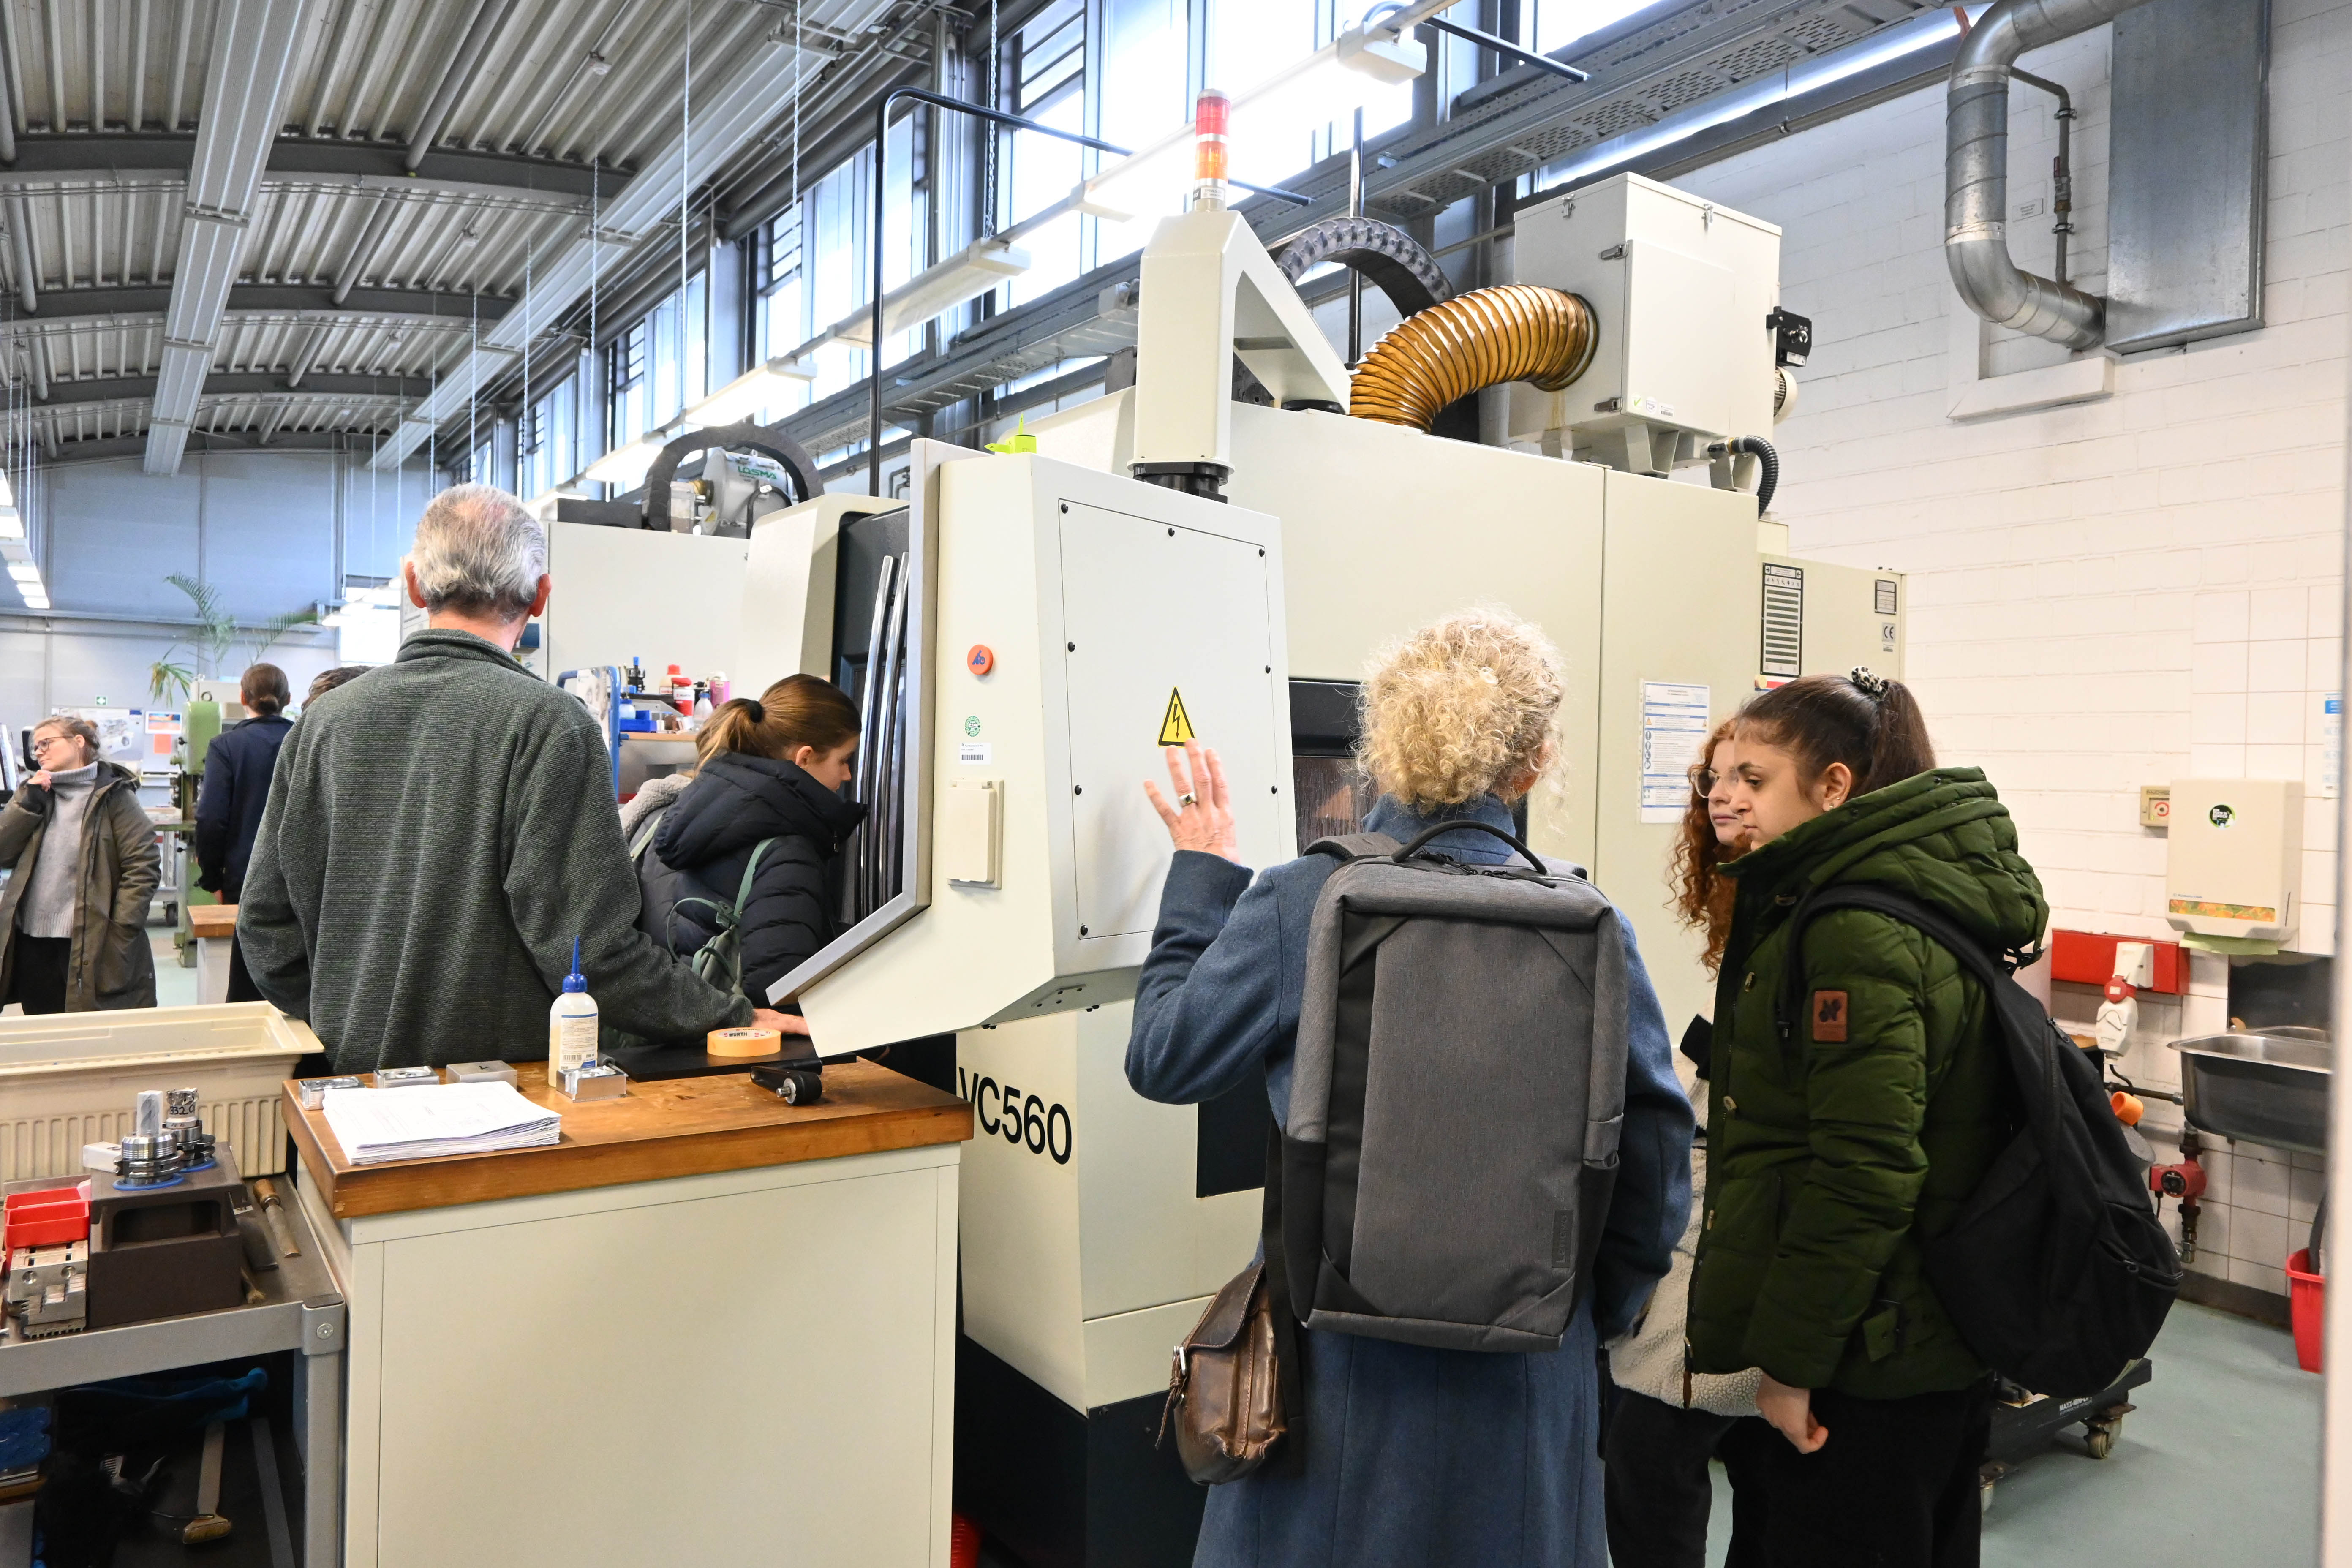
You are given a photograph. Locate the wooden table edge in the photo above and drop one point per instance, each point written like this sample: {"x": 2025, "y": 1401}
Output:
{"x": 361, "y": 1192}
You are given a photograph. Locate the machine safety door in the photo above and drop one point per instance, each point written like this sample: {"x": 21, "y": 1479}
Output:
{"x": 1170, "y": 633}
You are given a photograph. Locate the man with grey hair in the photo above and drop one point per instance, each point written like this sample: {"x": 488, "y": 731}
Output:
{"x": 439, "y": 833}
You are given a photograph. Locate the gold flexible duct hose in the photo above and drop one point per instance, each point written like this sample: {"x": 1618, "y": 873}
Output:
{"x": 1513, "y": 331}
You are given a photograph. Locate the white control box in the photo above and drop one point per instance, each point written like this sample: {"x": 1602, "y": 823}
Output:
{"x": 2234, "y": 858}
{"x": 1680, "y": 290}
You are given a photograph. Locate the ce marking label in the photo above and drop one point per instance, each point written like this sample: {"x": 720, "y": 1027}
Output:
{"x": 1023, "y": 1121}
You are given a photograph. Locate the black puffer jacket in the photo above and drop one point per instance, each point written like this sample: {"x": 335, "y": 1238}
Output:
{"x": 705, "y": 841}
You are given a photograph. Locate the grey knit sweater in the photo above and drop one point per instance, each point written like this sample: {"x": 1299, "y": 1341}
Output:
{"x": 436, "y": 836}
{"x": 48, "y": 907}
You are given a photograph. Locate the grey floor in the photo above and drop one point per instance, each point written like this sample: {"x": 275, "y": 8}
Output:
{"x": 2220, "y": 1462}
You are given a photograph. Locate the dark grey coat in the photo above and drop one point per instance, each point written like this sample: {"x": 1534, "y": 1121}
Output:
{"x": 437, "y": 836}
{"x": 1415, "y": 1458}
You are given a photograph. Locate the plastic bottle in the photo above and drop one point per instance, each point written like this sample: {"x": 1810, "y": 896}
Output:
{"x": 703, "y": 709}
{"x": 571, "y": 1024}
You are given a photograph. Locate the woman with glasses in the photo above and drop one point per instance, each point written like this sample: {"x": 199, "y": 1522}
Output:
{"x": 82, "y": 864}
{"x": 1667, "y": 1422}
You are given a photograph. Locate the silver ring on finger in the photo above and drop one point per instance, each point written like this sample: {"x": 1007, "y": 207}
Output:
{"x": 1184, "y": 801}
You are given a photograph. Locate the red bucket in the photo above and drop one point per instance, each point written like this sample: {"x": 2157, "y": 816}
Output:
{"x": 2308, "y": 1306}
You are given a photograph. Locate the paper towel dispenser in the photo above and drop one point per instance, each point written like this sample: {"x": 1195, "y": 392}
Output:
{"x": 2234, "y": 866}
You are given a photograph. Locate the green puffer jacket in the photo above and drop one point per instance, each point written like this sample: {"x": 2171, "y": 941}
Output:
{"x": 1837, "y": 1155}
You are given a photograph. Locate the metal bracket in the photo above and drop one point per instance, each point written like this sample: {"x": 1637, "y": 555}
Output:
{"x": 325, "y": 1321}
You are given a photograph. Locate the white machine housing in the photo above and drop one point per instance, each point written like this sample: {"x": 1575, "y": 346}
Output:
{"x": 1100, "y": 600}
{"x": 1817, "y": 618}
{"x": 2233, "y": 862}
{"x": 789, "y": 577}
{"x": 1680, "y": 290}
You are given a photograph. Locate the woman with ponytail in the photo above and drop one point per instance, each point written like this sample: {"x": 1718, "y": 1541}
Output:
{"x": 1843, "y": 1144}
{"x": 766, "y": 783}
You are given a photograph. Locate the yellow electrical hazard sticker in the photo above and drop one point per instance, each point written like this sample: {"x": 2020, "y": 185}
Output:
{"x": 1176, "y": 728}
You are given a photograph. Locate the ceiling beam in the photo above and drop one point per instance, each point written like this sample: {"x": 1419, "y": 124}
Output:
{"x": 254, "y": 45}
{"x": 268, "y": 298}
{"x": 236, "y": 384}
{"x": 103, "y": 448}
{"x": 65, "y": 154}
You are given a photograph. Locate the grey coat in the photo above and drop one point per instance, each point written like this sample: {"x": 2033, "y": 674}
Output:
{"x": 117, "y": 868}
{"x": 437, "y": 836}
{"x": 1415, "y": 1458}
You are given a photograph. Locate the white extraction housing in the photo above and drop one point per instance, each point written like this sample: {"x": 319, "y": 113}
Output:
{"x": 1681, "y": 290}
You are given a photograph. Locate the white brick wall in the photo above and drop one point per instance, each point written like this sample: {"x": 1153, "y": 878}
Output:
{"x": 2106, "y": 595}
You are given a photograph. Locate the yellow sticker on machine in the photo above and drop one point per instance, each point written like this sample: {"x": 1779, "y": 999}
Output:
{"x": 2262, "y": 913}
{"x": 1177, "y": 727}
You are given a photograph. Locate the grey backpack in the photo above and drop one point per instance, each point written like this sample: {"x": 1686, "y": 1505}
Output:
{"x": 1456, "y": 1098}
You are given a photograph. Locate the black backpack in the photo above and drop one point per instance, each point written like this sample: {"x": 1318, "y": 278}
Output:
{"x": 2057, "y": 1272}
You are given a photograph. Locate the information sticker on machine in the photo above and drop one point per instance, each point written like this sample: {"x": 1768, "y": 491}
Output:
{"x": 1673, "y": 733}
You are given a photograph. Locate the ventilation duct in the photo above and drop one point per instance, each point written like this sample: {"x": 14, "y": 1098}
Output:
{"x": 1976, "y": 172}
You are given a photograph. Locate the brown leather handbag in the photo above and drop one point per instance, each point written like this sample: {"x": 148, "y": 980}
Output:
{"x": 1233, "y": 1389}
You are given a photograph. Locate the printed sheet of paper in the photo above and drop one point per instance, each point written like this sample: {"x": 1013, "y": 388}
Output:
{"x": 1673, "y": 733}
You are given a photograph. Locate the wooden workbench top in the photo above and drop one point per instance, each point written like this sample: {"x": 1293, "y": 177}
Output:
{"x": 212, "y": 920}
{"x": 673, "y": 1127}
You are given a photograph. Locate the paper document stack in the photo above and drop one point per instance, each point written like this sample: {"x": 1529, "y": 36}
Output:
{"x": 378, "y": 1124}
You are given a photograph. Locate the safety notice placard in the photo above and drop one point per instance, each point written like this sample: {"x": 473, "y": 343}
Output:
{"x": 1673, "y": 733}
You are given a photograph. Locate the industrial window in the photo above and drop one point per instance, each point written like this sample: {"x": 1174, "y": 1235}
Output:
{"x": 1044, "y": 72}
{"x": 628, "y": 366}
{"x": 1559, "y": 23}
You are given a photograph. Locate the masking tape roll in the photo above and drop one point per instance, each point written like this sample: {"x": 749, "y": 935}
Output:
{"x": 743, "y": 1042}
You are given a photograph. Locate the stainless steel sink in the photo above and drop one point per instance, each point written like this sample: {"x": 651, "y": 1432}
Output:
{"x": 2268, "y": 1087}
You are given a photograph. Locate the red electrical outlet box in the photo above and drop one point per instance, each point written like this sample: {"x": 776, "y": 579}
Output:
{"x": 2089, "y": 959}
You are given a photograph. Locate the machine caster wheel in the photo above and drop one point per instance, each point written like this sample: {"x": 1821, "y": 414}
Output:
{"x": 2099, "y": 1436}
{"x": 800, "y": 1088}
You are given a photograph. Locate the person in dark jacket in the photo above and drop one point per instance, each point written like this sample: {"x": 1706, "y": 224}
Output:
{"x": 441, "y": 832}
{"x": 1837, "y": 1153}
{"x": 73, "y": 913}
{"x": 236, "y": 768}
{"x": 1412, "y": 1456}
{"x": 770, "y": 773}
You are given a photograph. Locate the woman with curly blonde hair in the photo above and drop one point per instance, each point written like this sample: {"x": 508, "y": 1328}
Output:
{"x": 1411, "y": 1455}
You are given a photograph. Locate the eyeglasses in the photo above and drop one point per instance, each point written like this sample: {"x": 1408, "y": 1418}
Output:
{"x": 1703, "y": 782}
{"x": 46, "y": 741}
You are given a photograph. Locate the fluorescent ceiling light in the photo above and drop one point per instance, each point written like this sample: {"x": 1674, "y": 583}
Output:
{"x": 981, "y": 266}
{"x": 1334, "y": 81}
{"x": 1924, "y": 30}
{"x": 8, "y": 494}
{"x": 24, "y": 571}
{"x": 15, "y": 550}
{"x": 748, "y": 393}
{"x": 36, "y": 601}
{"x": 12, "y": 521}
{"x": 624, "y": 465}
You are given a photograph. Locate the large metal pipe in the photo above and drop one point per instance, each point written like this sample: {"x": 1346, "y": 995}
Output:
{"x": 1976, "y": 172}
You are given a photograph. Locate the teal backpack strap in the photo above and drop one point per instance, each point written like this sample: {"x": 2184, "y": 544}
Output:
{"x": 646, "y": 836}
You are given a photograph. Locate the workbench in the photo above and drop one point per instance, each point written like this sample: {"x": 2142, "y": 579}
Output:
{"x": 704, "y": 1327}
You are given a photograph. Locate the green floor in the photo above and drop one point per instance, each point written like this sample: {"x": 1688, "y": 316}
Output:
{"x": 2219, "y": 1463}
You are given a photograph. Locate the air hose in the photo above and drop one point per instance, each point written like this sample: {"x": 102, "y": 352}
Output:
{"x": 1769, "y": 480}
{"x": 1513, "y": 331}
